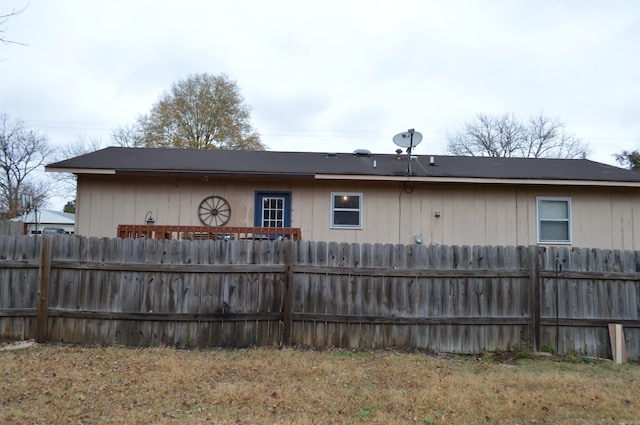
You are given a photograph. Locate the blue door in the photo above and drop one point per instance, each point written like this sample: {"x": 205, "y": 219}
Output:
{"x": 272, "y": 209}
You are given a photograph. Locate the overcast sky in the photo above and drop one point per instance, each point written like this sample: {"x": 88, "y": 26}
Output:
{"x": 331, "y": 75}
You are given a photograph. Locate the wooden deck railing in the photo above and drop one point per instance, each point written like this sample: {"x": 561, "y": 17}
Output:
{"x": 135, "y": 231}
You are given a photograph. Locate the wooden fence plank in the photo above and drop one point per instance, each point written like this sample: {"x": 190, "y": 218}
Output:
{"x": 364, "y": 293}
{"x": 44, "y": 281}
{"x": 11, "y": 228}
{"x": 420, "y": 302}
{"x": 288, "y": 295}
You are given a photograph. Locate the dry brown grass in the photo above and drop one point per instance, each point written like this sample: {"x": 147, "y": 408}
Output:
{"x": 53, "y": 384}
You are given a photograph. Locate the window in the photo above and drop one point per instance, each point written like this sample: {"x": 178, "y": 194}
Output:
{"x": 554, "y": 220}
{"x": 346, "y": 210}
{"x": 272, "y": 212}
{"x": 272, "y": 209}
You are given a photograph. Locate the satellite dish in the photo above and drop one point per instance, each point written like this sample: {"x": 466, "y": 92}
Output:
{"x": 408, "y": 139}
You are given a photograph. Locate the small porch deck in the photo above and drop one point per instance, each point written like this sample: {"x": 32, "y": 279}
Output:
{"x": 153, "y": 231}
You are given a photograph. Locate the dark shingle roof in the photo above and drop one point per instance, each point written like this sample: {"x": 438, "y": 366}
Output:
{"x": 307, "y": 164}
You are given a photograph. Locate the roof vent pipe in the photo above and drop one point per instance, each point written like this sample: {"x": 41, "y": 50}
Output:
{"x": 432, "y": 160}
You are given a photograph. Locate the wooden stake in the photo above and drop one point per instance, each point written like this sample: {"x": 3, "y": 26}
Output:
{"x": 618, "y": 347}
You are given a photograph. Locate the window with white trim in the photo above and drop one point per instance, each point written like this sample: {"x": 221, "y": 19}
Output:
{"x": 272, "y": 212}
{"x": 346, "y": 210}
{"x": 554, "y": 220}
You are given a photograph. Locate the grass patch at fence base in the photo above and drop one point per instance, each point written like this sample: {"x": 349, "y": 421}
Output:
{"x": 78, "y": 384}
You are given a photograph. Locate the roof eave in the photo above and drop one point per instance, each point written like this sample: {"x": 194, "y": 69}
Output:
{"x": 476, "y": 180}
{"x": 79, "y": 170}
{"x": 199, "y": 173}
{"x": 360, "y": 177}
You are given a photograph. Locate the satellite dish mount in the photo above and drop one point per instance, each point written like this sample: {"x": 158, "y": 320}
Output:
{"x": 408, "y": 139}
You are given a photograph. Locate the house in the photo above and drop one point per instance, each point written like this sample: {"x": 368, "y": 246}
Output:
{"x": 47, "y": 221}
{"x": 361, "y": 197}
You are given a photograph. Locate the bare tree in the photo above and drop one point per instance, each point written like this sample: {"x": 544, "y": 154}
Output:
{"x": 3, "y": 21}
{"x": 508, "y": 136}
{"x": 548, "y": 139}
{"x": 129, "y": 136}
{"x": 202, "y": 112}
{"x": 67, "y": 181}
{"x": 22, "y": 153}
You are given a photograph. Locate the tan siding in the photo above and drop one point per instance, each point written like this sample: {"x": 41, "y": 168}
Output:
{"x": 420, "y": 208}
{"x": 408, "y": 218}
{"x": 306, "y": 211}
{"x": 584, "y": 210}
{"x": 100, "y": 209}
{"x": 393, "y": 212}
{"x": 386, "y": 215}
{"x": 480, "y": 218}
{"x": 493, "y": 215}
{"x": 525, "y": 216}
{"x": 622, "y": 217}
{"x": 435, "y": 224}
{"x": 633, "y": 240}
{"x": 504, "y": 213}
{"x": 175, "y": 196}
{"x": 618, "y": 211}
{"x": 456, "y": 218}
{"x": 447, "y": 220}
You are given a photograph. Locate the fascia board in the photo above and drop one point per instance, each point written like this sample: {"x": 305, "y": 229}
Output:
{"x": 470, "y": 180}
{"x": 79, "y": 170}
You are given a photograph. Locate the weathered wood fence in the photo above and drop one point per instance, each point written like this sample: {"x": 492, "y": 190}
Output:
{"x": 11, "y": 227}
{"x": 207, "y": 293}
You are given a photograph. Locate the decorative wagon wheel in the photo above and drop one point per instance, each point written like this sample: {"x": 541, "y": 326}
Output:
{"x": 214, "y": 211}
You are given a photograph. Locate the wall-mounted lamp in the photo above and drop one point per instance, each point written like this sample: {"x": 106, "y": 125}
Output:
{"x": 148, "y": 218}
{"x": 417, "y": 239}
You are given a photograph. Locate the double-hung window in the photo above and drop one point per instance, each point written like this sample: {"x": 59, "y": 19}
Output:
{"x": 346, "y": 210}
{"x": 554, "y": 220}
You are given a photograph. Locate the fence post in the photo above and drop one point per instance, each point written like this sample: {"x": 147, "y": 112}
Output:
{"x": 44, "y": 279}
{"x": 288, "y": 293}
{"x": 534, "y": 298}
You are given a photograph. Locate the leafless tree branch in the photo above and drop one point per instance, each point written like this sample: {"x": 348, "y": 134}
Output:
{"x": 508, "y": 136}
{"x": 22, "y": 152}
{"x": 4, "y": 19}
